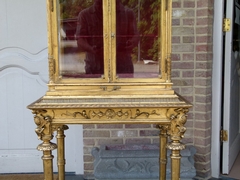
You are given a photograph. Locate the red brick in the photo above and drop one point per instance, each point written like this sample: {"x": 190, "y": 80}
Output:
{"x": 183, "y": 65}
{"x": 134, "y": 126}
{"x": 149, "y": 132}
{"x": 176, "y": 57}
{"x": 109, "y": 126}
{"x": 88, "y": 166}
{"x": 109, "y": 141}
{"x": 203, "y": 74}
{"x": 138, "y": 141}
{"x": 124, "y": 133}
{"x": 189, "y": 22}
{"x": 89, "y": 126}
{"x": 202, "y": 141}
{"x": 205, "y": 3}
{"x": 175, "y": 39}
{"x": 188, "y": 74}
{"x": 202, "y": 133}
{"x": 189, "y": 4}
{"x": 204, "y": 56}
{"x": 204, "y": 12}
{"x": 176, "y": 4}
{"x": 204, "y": 39}
{"x": 89, "y": 142}
{"x": 203, "y": 48}
{"x": 96, "y": 133}
{"x": 187, "y": 57}
{"x": 188, "y": 39}
{"x": 175, "y": 22}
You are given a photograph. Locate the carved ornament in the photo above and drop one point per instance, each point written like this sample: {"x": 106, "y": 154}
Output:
{"x": 43, "y": 122}
{"x": 178, "y": 118}
{"x": 110, "y": 114}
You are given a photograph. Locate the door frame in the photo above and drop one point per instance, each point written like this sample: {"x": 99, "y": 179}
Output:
{"x": 217, "y": 87}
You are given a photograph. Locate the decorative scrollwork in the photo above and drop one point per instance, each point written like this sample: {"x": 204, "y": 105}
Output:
{"x": 176, "y": 130}
{"x": 147, "y": 114}
{"x": 75, "y": 114}
{"x": 110, "y": 114}
{"x": 178, "y": 118}
{"x": 42, "y": 120}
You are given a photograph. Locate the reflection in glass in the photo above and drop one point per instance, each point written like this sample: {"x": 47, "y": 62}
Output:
{"x": 143, "y": 52}
{"x": 82, "y": 49}
{"x": 81, "y": 38}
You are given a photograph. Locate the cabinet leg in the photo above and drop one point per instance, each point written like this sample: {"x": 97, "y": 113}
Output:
{"x": 175, "y": 159}
{"x": 44, "y": 132}
{"x": 176, "y": 132}
{"x": 61, "y": 152}
{"x": 47, "y": 158}
{"x": 163, "y": 152}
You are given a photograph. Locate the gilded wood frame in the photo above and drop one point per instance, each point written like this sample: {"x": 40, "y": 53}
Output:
{"x": 109, "y": 81}
{"x": 110, "y": 100}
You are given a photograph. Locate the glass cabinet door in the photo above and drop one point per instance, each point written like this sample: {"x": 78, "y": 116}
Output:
{"x": 137, "y": 41}
{"x": 117, "y": 40}
{"x": 81, "y": 39}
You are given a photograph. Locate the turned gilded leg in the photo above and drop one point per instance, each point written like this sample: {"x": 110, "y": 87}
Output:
{"x": 47, "y": 158}
{"x": 176, "y": 132}
{"x": 163, "y": 152}
{"x": 44, "y": 132}
{"x": 61, "y": 151}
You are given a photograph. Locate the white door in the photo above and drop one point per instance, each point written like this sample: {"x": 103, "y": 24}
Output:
{"x": 23, "y": 79}
{"x": 231, "y": 96}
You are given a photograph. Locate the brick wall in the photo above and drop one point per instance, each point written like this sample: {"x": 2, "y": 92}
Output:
{"x": 96, "y": 135}
{"x": 191, "y": 75}
{"x": 191, "y": 72}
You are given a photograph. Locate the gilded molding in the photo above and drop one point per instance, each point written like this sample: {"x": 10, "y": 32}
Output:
{"x": 51, "y": 64}
{"x": 46, "y": 146}
{"x": 59, "y": 127}
{"x": 163, "y": 129}
{"x": 175, "y": 146}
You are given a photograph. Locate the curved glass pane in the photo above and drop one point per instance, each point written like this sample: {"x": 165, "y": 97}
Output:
{"x": 138, "y": 37}
{"x": 81, "y": 38}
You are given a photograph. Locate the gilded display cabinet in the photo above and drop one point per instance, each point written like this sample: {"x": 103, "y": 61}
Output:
{"x": 109, "y": 63}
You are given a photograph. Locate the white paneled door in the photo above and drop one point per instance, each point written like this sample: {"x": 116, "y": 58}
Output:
{"x": 231, "y": 96}
{"x": 23, "y": 79}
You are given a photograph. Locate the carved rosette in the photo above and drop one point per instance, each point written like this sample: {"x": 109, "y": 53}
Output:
{"x": 176, "y": 130}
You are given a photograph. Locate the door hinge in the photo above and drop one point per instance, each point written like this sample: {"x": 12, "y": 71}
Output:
{"x": 223, "y": 135}
{"x": 226, "y": 24}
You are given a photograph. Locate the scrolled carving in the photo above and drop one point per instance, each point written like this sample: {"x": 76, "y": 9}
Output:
{"x": 84, "y": 114}
{"x": 43, "y": 121}
{"x": 110, "y": 114}
{"x": 178, "y": 118}
{"x": 147, "y": 114}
